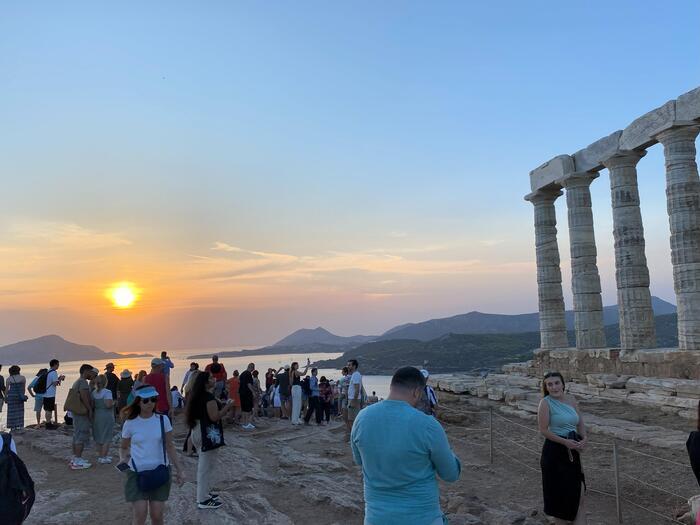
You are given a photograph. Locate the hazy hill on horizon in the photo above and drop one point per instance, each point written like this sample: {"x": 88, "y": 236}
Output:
{"x": 320, "y": 335}
{"x": 43, "y": 349}
{"x": 482, "y": 323}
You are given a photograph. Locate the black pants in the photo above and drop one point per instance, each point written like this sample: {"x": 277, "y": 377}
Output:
{"x": 326, "y": 410}
{"x": 314, "y": 406}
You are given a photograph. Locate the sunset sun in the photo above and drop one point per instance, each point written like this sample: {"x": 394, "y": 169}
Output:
{"x": 123, "y": 295}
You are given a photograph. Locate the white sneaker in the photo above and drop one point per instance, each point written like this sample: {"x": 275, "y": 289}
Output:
{"x": 79, "y": 464}
{"x": 248, "y": 426}
{"x": 105, "y": 460}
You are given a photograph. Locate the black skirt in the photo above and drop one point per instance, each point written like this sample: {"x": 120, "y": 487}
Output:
{"x": 562, "y": 477}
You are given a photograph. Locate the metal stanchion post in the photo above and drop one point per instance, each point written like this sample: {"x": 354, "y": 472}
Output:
{"x": 616, "y": 472}
{"x": 491, "y": 435}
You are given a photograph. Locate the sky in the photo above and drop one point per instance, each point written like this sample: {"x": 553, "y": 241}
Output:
{"x": 257, "y": 167}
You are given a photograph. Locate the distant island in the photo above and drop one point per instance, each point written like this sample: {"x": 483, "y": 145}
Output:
{"x": 43, "y": 349}
{"x": 319, "y": 340}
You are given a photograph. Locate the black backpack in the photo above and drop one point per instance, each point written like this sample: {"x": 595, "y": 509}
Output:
{"x": 306, "y": 386}
{"x": 16, "y": 486}
{"x": 40, "y": 386}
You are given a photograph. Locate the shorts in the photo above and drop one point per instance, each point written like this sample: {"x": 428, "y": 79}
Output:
{"x": 81, "y": 430}
{"x": 247, "y": 403}
{"x": 38, "y": 402}
{"x": 284, "y": 398}
{"x": 353, "y": 409}
{"x": 132, "y": 492}
{"x": 49, "y": 404}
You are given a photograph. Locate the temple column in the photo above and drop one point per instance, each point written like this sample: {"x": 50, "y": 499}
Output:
{"x": 549, "y": 292}
{"x": 637, "y": 328}
{"x": 683, "y": 204}
{"x": 585, "y": 280}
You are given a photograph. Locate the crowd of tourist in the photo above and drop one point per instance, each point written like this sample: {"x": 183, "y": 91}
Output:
{"x": 144, "y": 409}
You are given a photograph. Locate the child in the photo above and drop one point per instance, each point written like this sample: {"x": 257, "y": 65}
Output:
{"x": 178, "y": 400}
{"x": 276, "y": 400}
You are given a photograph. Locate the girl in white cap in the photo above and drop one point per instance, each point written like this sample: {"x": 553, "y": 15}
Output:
{"x": 146, "y": 455}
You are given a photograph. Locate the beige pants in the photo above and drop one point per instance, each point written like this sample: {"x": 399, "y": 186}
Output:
{"x": 205, "y": 465}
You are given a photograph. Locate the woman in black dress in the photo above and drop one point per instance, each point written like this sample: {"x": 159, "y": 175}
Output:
{"x": 560, "y": 422}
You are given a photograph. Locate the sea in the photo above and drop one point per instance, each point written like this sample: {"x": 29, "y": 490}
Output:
{"x": 180, "y": 358}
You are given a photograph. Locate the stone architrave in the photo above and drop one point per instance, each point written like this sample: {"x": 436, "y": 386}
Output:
{"x": 549, "y": 292}
{"x": 637, "y": 327}
{"x": 683, "y": 204}
{"x": 585, "y": 280}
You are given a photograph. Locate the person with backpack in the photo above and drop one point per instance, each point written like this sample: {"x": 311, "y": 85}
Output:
{"x": 47, "y": 386}
{"x": 146, "y": 455}
{"x": 16, "y": 485}
{"x": 38, "y": 396}
{"x": 314, "y": 398}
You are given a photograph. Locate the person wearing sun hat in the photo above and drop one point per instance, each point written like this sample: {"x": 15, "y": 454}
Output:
{"x": 124, "y": 388}
{"x": 147, "y": 443}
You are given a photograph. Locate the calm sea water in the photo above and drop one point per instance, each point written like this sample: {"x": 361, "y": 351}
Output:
{"x": 379, "y": 384}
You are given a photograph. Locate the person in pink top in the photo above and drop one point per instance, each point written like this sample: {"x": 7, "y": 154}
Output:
{"x": 161, "y": 383}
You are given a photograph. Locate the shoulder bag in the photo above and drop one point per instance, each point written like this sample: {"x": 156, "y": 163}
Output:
{"x": 148, "y": 480}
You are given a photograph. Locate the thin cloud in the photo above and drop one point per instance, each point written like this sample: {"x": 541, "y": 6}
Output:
{"x": 65, "y": 235}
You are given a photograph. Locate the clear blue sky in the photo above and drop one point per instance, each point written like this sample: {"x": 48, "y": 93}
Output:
{"x": 319, "y": 139}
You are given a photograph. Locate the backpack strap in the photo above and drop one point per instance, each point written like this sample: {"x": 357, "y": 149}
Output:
{"x": 162, "y": 436}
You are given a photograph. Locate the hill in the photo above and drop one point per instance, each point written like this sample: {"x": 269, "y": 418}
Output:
{"x": 308, "y": 336}
{"x": 43, "y": 349}
{"x": 454, "y": 352}
{"x": 483, "y": 323}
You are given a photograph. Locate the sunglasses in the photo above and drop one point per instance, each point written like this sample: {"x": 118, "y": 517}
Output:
{"x": 149, "y": 399}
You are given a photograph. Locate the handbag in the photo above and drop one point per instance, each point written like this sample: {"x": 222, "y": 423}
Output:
{"x": 148, "y": 480}
{"x": 74, "y": 404}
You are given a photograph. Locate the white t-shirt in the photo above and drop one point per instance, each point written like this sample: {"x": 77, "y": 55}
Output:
{"x": 355, "y": 382}
{"x": 176, "y": 397}
{"x": 276, "y": 400}
{"x": 50, "y": 387}
{"x": 146, "y": 444}
{"x": 105, "y": 393}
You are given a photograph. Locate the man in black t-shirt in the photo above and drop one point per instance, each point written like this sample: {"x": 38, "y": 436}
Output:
{"x": 285, "y": 390}
{"x": 245, "y": 392}
{"x": 112, "y": 382}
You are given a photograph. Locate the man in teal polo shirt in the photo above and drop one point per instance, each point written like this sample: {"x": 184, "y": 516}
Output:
{"x": 401, "y": 450}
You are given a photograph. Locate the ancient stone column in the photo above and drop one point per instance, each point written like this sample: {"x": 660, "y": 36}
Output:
{"x": 637, "y": 328}
{"x": 683, "y": 204}
{"x": 549, "y": 293}
{"x": 585, "y": 280}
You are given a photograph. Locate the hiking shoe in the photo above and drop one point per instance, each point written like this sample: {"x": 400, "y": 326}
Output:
{"x": 211, "y": 503}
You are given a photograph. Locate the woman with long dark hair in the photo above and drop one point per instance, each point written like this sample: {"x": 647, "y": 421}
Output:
{"x": 147, "y": 450}
{"x": 203, "y": 415}
{"x": 560, "y": 422}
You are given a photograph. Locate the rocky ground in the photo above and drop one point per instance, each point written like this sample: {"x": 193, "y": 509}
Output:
{"x": 279, "y": 474}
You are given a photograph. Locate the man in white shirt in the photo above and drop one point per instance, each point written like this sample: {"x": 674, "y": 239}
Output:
{"x": 49, "y": 401}
{"x": 354, "y": 393}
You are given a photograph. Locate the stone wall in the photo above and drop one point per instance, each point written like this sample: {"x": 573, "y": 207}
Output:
{"x": 577, "y": 364}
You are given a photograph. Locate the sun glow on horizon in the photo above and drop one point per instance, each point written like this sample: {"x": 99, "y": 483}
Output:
{"x": 123, "y": 295}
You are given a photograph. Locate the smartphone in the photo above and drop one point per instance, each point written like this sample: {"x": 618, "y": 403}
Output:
{"x": 122, "y": 467}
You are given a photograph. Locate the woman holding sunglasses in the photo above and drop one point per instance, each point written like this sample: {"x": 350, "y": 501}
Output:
{"x": 560, "y": 422}
{"x": 148, "y": 451}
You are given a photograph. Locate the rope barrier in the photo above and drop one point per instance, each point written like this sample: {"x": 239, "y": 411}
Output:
{"x": 535, "y": 452}
{"x": 674, "y": 520}
{"x": 516, "y": 423}
{"x": 637, "y": 480}
{"x": 656, "y": 457}
{"x": 516, "y": 460}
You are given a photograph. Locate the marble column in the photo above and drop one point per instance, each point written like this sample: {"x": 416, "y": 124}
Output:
{"x": 683, "y": 204}
{"x": 549, "y": 292}
{"x": 585, "y": 280}
{"x": 637, "y": 328}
